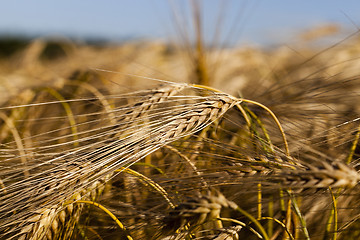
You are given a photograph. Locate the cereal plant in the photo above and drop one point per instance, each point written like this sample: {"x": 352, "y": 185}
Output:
{"x": 97, "y": 150}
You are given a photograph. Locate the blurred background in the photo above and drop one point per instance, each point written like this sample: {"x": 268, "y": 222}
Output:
{"x": 240, "y": 22}
{"x": 219, "y": 43}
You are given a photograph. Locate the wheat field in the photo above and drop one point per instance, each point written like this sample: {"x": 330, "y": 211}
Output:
{"x": 140, "y": 141}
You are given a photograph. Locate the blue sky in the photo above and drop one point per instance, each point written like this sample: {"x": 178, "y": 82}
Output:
{"x": 250, "y": 21}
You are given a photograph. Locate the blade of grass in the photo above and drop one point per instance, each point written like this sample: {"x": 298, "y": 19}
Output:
{"x": 121, "y": 226}
{"x": 299, "y": 215}
{"x": 256, "y": 222}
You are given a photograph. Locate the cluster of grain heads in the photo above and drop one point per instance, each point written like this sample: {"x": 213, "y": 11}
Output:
{"x": 81, "y": 161}
{"x": 219, "y": 166}
{"x": 36, "y": 194}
